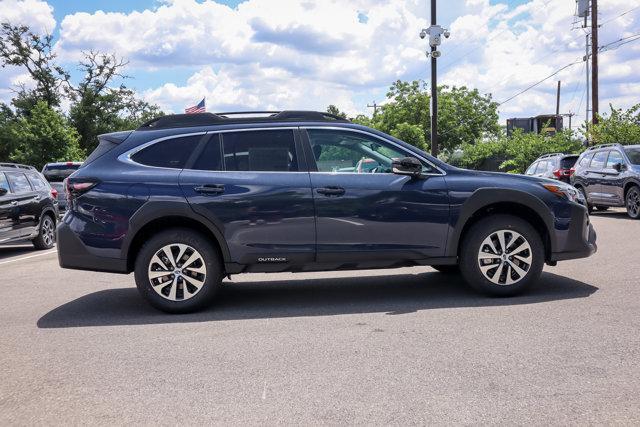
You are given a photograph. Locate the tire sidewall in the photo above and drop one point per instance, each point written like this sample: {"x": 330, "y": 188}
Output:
{"x": 39, "y": 241}
{"x": 211, "y": 259}
{"x": 472, "y": 244}
{"x": 629, "y": 193}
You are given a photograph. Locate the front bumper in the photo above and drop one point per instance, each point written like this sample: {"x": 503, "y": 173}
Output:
{"x": 72, "y": 253}
{"x": 579, "y": 240}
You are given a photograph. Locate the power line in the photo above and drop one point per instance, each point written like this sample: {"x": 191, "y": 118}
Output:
{"x": 619, "y": 16}
{"x": 626, "y": 40}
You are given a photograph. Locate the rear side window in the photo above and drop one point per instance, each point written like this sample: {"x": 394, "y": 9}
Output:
{"x": 584, "y": 161}
{"x": 19, "y": 182}
{"x": 170, "y": 153}
{"x": 266, "y": 151}
{"x": 211, "y": 157}
{"x": 3, "y": 182}
{"x": 38, "y": 183}
{"x": 598, "y": 160}
{"x": 568, "y": 162}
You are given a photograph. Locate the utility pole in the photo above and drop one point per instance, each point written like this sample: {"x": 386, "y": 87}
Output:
{"x": 434, "y": 32}
{"x": 594, "y": 61}
{"x": 558, "y": 99}
{"x": 375, "y": 108}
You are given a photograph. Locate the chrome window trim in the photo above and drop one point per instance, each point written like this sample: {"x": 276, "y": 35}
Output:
{"x": 126, "y": 156}
{"x": 400, "y": 147}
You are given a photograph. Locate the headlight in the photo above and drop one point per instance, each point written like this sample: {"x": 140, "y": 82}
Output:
{"x": 565, "y": 191}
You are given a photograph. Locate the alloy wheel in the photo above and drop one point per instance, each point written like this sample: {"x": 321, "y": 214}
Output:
{"x": 505, "y": 257}
{"x": 177, "y": 272}
{"x": 47, "y": 231}
{"x": 633, "y": 203}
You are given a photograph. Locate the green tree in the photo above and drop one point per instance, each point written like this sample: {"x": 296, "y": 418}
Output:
{"x": 621, "y": 126}
{"x": 6, "y": 143}
{"x": 43, "y": 136}
{"x": 411, "y": 134}
{"x": 332, "y": 109}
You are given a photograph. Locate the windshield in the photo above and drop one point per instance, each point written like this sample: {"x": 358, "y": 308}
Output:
{"x": 55, "y": 173}
{"x": 633, "y": 153}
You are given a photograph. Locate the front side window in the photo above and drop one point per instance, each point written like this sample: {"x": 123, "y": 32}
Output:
{"x": 614, "y": 158}
{"x": 3, "y": 182}
{"x": 352, "y": 152}
{"x": 170, "y": 153}
{"x": 598, "y": 160}
{"x": 260, "y": 151}
{"x": 19, "y": 182}
{"x": 633, "y": 153}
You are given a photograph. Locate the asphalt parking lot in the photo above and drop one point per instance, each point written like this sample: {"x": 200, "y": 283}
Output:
{"x": 399, "y": 346}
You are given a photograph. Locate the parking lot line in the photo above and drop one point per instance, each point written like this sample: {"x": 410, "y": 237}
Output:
{"x": 27, "y": 257}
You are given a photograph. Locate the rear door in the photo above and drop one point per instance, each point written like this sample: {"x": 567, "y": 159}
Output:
{"x": 254, "y": 185}
{"x": 8, "y": 210}
{"x": 369, "y": 214}
{"x": 26, "y": 206}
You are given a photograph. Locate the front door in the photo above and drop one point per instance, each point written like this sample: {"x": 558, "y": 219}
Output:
{"x": 364, "y": 212}
{"x": 612, "y": 186}
{"x": 254, "y": 185}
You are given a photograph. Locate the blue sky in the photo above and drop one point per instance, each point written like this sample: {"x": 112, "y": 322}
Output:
{"x": 278, "y": 54}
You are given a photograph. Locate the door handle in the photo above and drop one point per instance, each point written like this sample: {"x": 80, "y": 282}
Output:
{"x": 36, "y": 198}
{"x": 331, "y": 191}
{"x": 210, "y": 189}
{"x": 14, "y": 203}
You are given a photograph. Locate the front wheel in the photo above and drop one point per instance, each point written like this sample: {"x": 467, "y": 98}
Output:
{"x": 501, "y": 255}
{"x": 633, "y": 202}
{"x": 178, "y": 271}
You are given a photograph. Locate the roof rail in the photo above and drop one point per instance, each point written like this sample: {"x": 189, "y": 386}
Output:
{"x": 550, "y": 155}
{"x": 17, "y": 166}
{"x": 615, "y": 144}
{"x": 207, "y": 119}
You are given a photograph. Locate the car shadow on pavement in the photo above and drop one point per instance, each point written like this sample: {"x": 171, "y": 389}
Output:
{"x": 393, "y": 295}
{"x": 10, "y": 251}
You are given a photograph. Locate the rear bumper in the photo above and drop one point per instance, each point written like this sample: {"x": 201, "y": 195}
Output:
{"x": 72, "y": 253}
{"x": 580, "y": 238}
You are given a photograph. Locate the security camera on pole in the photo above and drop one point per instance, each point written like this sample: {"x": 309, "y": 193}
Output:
{"x": 435, "y": 33}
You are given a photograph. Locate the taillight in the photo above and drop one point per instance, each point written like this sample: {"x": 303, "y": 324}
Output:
{"x": 572, "y": 171}
{"x": 557, "y": 173}
{"x": 76, "y": 188}
{"x": 54, "y": 193}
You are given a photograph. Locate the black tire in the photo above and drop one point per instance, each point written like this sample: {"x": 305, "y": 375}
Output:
{"x": 584, "y": 196}
{"x": 46, "y": 238}
{"x": 473, "y": 244}
{"x": 447, "y": 269}
{"x": 602, "y": 208}
{"x": 210, "y": 259}
{"x": 633, "y": 202}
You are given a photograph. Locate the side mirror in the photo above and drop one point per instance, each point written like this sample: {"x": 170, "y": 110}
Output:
{"x": 619, "y": 167}
{"x": 407, "y": 166}
{"x": 3, "y": 191}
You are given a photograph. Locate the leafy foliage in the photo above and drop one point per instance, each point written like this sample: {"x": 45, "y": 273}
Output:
{"x": 621, "y": 126}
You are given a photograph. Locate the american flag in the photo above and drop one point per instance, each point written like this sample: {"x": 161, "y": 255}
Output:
{"x": 199, "y": 108}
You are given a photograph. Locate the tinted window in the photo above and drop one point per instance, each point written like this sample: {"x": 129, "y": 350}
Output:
{"x": 38, "y": 183}
{"x": 614, "y": 157}
{"x": 57, "y": 173}
{"x": 568, "y": 162}
{"x": 170, "y": 153}
{"x": 3, "y": 182}
{"x": 268, "y": 151}
{"x": 633, "y": 154}
{"x": 532, "y": 169}
{"x": 584, "y": 161}
{"x": 19, "y": 182}
{"x": 211, "y": 157}
{"x": 344, "y": 151}
{"x": 598, "y": 160}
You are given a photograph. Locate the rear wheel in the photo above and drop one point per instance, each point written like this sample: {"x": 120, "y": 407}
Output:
{"x": 501, "y": 255}
{"x": 46, "y": 234}
{"x": 178, "y": 271}
{"x": 633, "y": 202}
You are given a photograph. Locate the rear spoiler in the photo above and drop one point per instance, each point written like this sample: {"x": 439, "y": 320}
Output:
{"x": 107, "y": 142}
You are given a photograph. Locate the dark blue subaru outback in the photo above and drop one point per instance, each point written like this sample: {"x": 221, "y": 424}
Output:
{"x": 184, "y": 200}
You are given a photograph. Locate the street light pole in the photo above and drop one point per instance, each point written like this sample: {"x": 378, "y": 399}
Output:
{"x": 434, "y": 88}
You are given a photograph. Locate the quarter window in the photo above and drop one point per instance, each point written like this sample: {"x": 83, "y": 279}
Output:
{"x": 532, "y": 169}
{"x": 170, "y": 153}
{"x": 351, "y": 152}
{"x": 37, "y": 183}
{"x": 586, "y": 159}
{"x": 598, "y": 160}
{"x": 19, "y": 182}
{"x": 260, "y": 151}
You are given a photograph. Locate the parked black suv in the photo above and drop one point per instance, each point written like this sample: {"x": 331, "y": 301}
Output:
{"x": 609, "y": 175}
{"x": 553, "y": 166}
{"x": 28, "y": 206}
{"x": 186, "y": 199}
